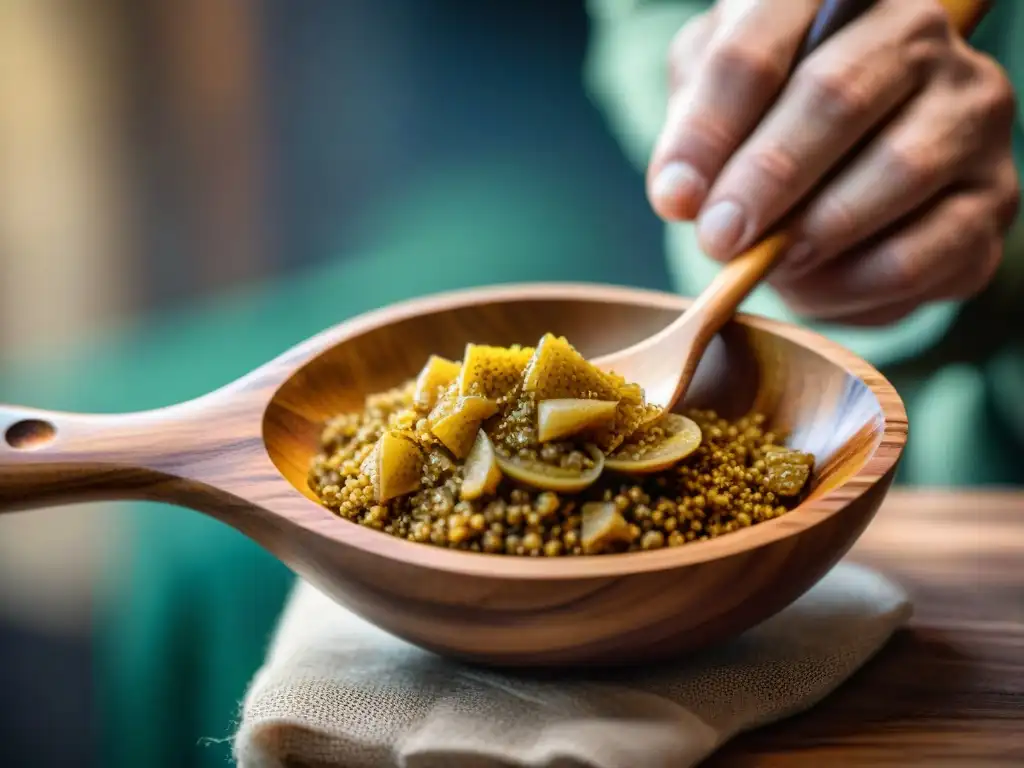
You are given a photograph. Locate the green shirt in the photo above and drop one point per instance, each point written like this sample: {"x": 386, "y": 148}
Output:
{"x": 962, "y": 396}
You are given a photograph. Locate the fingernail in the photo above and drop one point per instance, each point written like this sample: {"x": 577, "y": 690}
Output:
{"x": 720, "y": 228}
{"x": 680, "y": 185}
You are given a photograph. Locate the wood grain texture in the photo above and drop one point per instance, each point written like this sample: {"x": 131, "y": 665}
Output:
{"x": 241, "y": 454}
{"x": 948, "y": 690}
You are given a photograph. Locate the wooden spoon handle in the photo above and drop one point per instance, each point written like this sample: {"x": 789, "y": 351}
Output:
{"x": 49, "y": 458}
{"x": 740, "y": 276}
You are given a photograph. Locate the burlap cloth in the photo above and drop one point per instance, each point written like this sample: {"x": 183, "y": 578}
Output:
{"x": 335, "y": 691}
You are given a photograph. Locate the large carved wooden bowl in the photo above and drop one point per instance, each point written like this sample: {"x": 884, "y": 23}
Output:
{"x": 241, "y": 454}
{"x": 609, "y": 608}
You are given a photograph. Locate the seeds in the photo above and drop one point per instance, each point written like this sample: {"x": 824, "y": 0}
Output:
{"x": 716, "y": 490}
{"x": 482, "y": 481}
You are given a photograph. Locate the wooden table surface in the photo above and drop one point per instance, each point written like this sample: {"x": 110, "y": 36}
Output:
{"x": 949, "y": 689}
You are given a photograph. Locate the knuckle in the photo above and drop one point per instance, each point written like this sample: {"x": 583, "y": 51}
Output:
{"x": 738, "y": 59}
{"x": 904, "y": 268}
{"x": 966, "y": 226}
{"x": 832, "y": 220}
{"x": 926, "y": 33}
{"x": 971, "y": 241}
{"x": 924, "y": 57}
{"x": 834, "y": 89}
{"x": 929, "y": 19}
{"x": 913, "y": 165}
{"x": 703, "y": 139}
{"x": 689, "y": 39}
{"x": 986, "y": 259}
{"x": 685, "y": 47}
{"x": 997, "y": 98}
{"x": 773, "y": 168}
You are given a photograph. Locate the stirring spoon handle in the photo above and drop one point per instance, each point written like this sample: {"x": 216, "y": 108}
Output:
{"x": 717, "y": 303}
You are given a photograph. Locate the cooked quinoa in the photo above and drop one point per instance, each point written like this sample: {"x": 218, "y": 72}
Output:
{"x": 533, "y": 451}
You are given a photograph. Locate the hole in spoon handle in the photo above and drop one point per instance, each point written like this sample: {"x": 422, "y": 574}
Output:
{"x": 30, "y": 434}
{"x": 50, "y": 458}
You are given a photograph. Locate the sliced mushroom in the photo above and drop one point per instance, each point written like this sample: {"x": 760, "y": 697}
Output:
{"x": 558, "y": 419}
{"x": 456, "y": 419}
{"x": 482, "y": 473}
{"x": 549, "y": 477}
{"x": 394, "y": 466}
{"x": 658, "y": 446}
{"x": 437, "y": 374}
{"x": 602, "y": 526}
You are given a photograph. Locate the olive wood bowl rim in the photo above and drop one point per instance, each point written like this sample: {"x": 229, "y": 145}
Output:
{"x": 877, "y": 465}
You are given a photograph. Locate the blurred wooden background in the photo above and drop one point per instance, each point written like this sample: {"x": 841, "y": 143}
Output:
{"x": 115, "y": 115}
{"x": 120, "y": 121}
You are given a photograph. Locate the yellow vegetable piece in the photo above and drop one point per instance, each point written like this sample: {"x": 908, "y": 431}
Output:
{"x": 786, "y": 471}
{"x": 558, "y": 419}
{"x": 492, "y": 372}
{"x": 482, "y": 473}
{"x": 602, "y": 526}
{"x": 557, "y": 371}
{"x": 549, "y": 477}
{"x": 437, "y": 374}
{"x": 657, "y": 446}
{"x": 394, "y": 466}
{"x": 456, "y": 419}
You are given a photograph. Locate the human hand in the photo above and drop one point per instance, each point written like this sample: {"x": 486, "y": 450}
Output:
{"x": 894, "y": 132}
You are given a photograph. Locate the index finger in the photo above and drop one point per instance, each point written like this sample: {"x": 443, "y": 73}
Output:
{"x": 724, "y": 94}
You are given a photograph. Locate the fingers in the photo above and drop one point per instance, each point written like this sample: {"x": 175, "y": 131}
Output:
{"x": 951, "y": 251}
{"x": 687, "y": 47}
{"x": 924, "y": 150}
{"x": 834, "y": 99}
{"x": 742, "y": 64}
{"x": 905, "y": 166}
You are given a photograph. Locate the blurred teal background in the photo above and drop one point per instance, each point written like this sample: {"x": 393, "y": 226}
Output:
{"x": 187, "y": 190}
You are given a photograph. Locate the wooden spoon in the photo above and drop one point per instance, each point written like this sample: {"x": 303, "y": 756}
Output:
{"x": 665, "y": 363}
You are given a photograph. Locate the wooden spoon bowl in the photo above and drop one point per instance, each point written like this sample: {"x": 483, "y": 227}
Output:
{"x": 242, "y": 454}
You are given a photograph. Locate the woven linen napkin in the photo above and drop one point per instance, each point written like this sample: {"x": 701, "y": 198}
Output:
{"x": 336, "y": 691}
